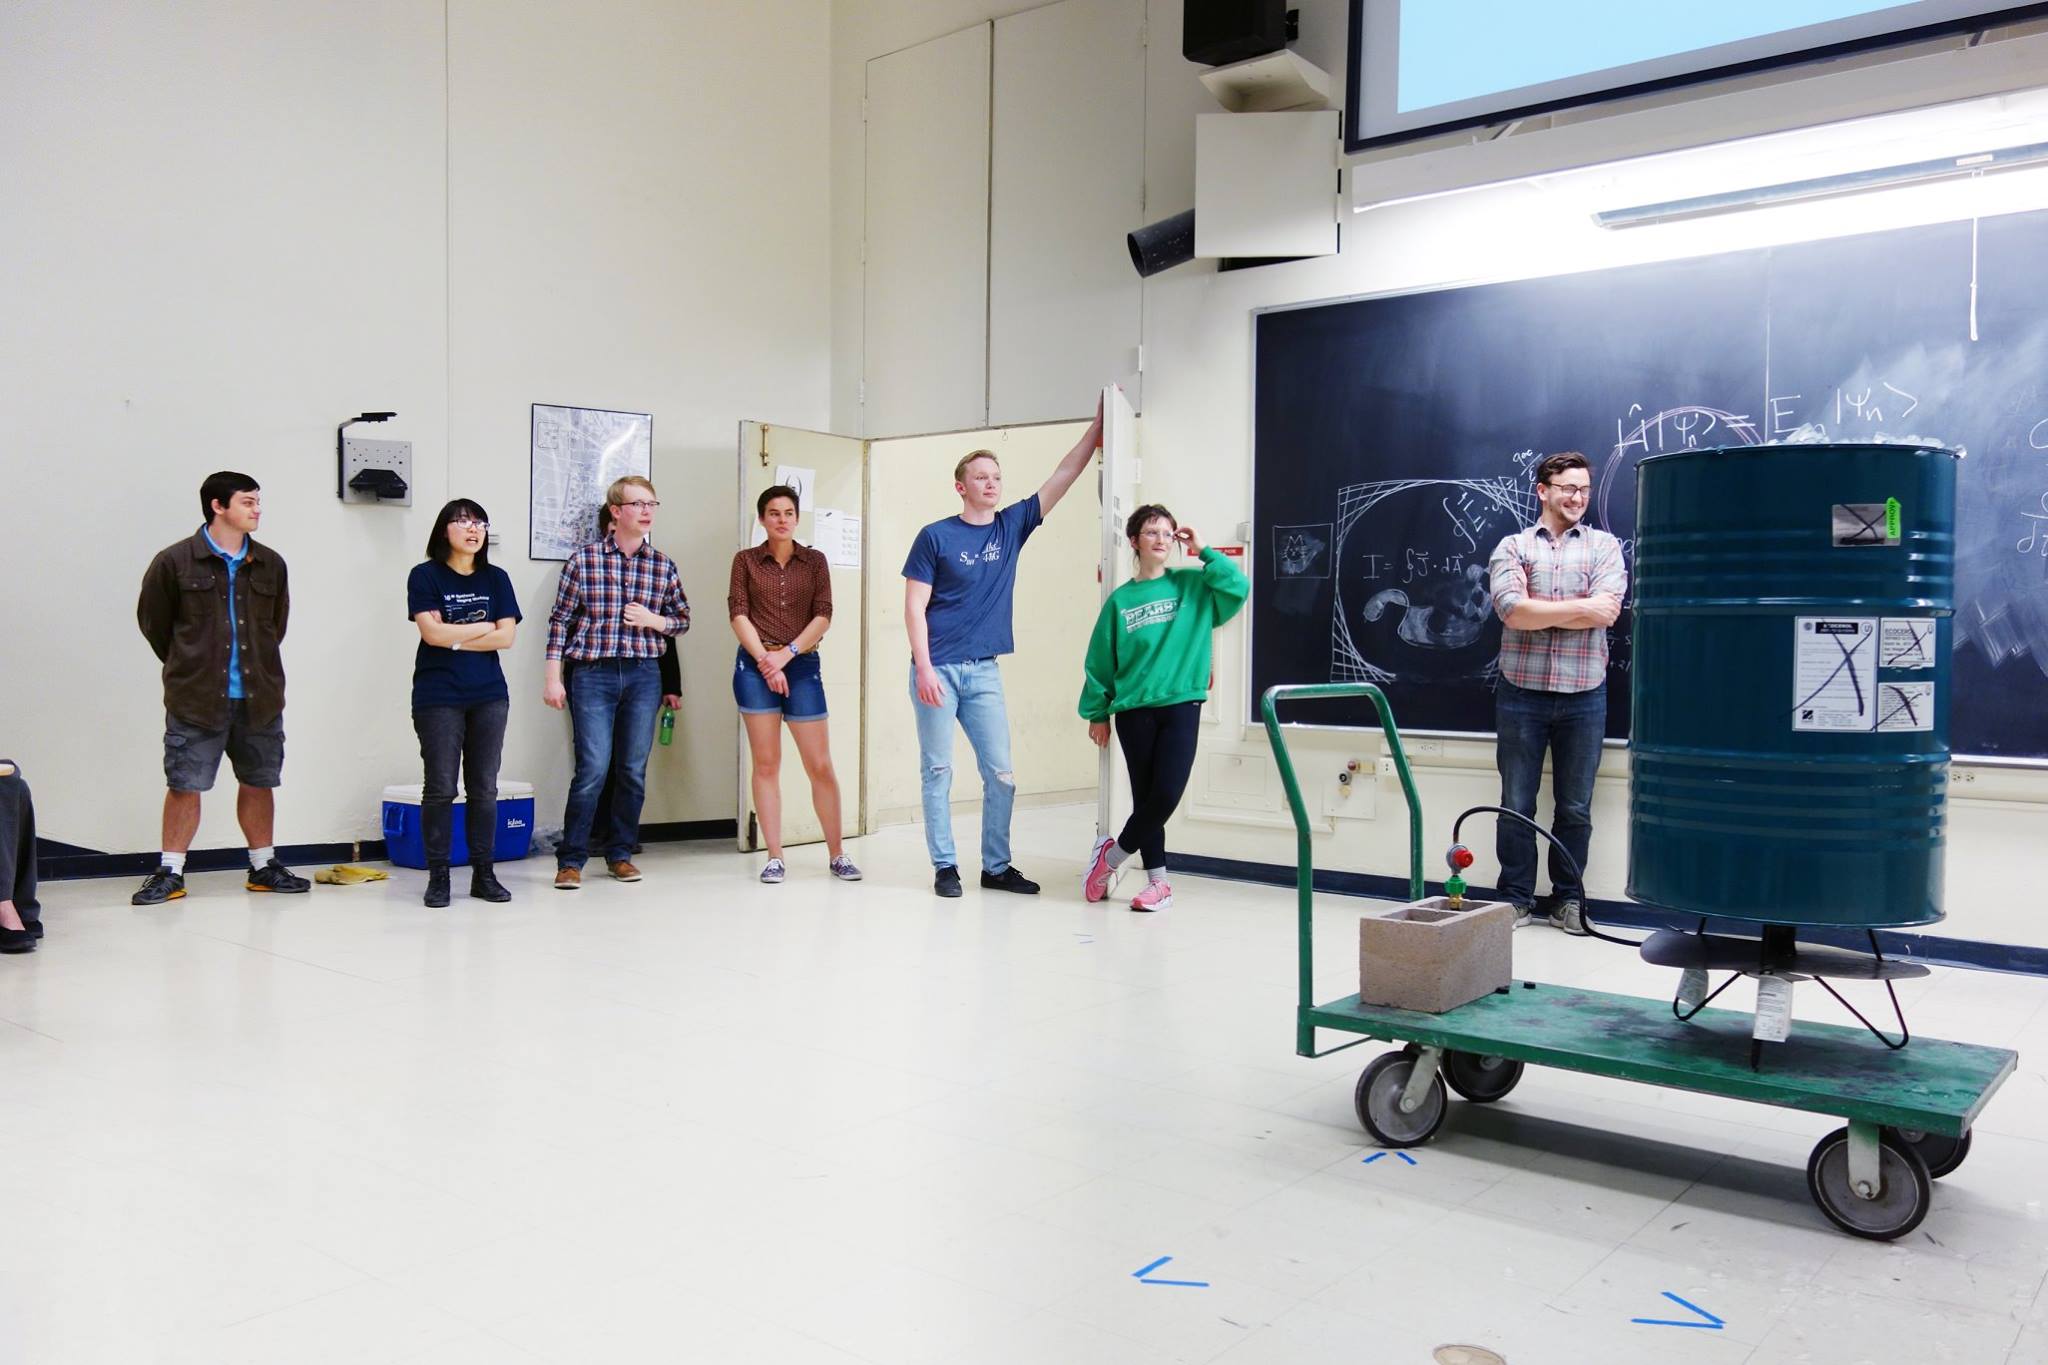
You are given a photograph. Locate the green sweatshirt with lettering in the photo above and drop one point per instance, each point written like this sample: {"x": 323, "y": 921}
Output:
{"x": 1151, "y": 643}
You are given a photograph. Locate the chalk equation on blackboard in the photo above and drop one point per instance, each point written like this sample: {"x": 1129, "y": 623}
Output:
{"x": 2034, "y": 536}
{"x": 1689, "y": 426}
{"x": 1412, "y": 601}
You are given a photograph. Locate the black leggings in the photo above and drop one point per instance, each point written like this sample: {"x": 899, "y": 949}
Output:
{"x": 1159, "y": 749}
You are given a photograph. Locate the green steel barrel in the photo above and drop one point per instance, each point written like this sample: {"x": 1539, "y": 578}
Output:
{"x": 1790, "y": 681}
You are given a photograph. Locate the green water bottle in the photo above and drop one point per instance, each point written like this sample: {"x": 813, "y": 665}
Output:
{"x": 668, "y": 725}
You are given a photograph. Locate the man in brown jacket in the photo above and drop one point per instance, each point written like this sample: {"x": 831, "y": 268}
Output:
{"x": 213, "y": 608}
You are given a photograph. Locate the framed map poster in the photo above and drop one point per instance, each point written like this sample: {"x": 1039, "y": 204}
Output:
{"x": 576, "y": 453}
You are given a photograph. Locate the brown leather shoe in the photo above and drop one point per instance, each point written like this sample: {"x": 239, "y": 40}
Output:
{"x": 568, "y": 878}
{"x": 624, "y": 871}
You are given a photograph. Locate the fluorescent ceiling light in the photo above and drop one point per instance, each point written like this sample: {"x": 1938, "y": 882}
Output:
{"x": 1826, "y": 186}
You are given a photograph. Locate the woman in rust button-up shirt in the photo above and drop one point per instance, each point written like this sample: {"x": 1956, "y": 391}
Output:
{"x": 780, "y": 602}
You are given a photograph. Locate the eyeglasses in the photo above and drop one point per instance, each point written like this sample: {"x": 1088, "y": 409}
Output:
{"x": 1570, "y": 491}
{"x": 643, "y": 505}
{"x": 470, "y": 523}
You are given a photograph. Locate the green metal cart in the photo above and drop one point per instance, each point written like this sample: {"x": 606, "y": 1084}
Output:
{"x": 1908, "y": 1113}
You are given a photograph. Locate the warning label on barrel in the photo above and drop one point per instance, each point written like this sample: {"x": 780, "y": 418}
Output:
{"x": 1905, "y": 706}
{"x": 1865, "y": 523}
{"x": 1906, "y": 642}
{"x": 1834, "y": 684}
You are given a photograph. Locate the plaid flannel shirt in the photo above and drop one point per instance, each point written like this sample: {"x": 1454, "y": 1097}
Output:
{"x": 1534, "y": 563}
{"x": 597, "y": 583}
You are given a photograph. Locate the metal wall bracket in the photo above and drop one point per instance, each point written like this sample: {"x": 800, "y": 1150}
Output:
{"x": 377, "y": 472}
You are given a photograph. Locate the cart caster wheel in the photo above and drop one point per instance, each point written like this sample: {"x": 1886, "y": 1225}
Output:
{"x": 1942, "y": 1154}
{"x": 1378, "y": 1100}
{"x": 1481, "y": 1080}
{"x": 1897, "y": 1209}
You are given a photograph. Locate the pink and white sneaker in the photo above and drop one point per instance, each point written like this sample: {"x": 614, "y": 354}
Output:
{"x": 1095, "y": 881}
{"x": 1155, "y": 896}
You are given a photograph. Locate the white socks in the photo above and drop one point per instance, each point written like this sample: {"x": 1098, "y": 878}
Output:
{"x": 1155, "y": 875}
{"x": 175, "y": 862}
{"x": 1117, "y": 856}
{"x": 259, "y": 858}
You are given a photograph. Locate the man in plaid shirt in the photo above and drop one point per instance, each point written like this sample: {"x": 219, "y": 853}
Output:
{"x": 619, "y": 597}
{"x": 1557, "y": 587}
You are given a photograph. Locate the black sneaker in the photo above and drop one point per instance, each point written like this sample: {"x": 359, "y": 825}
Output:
{"x": 946, "y": 881}
{"x": 160, "y": 886}
{"x": 275, "y": 876}
{"x": 485, "y": 886}
{"x": 437, "y": 889}
{"x": 1009, "y": 879}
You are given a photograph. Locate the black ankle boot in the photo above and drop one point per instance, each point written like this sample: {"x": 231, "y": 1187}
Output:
{"x": 485, "y": 886}
{"x": 437, "y": 887}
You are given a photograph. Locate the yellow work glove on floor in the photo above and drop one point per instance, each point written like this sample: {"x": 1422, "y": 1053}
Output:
{"x": 348, "y": 874}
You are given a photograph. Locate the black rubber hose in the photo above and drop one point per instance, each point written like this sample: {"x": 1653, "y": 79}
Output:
{"x": 1593, "y": 930}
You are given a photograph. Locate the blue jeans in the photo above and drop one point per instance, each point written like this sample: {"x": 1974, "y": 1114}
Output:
{"x": 974, "y": 696}
{"x": 612, "y": 706}
{"x": 1570, "y": 725}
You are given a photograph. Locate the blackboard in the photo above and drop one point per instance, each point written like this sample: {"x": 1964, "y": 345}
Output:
{"x": 1393, "y": 440}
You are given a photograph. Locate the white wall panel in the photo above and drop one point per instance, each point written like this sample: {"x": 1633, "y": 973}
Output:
{"x": 227, "y": 226}
{"x": 925, "y": 343}
{"x": 1067, "y": 183}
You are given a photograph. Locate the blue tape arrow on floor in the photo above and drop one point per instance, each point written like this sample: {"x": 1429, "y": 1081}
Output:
{"x": 1706, "y": 1320}
{"x": 1140, "y": 1276}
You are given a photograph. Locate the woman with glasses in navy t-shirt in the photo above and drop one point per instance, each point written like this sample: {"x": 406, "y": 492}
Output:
{"x": 466, "y": 613}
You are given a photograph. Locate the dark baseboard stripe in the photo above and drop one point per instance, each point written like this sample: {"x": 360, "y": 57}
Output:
{"x": 57, "y": 862}
{"x": 71, "y": 866}
{"x": 1933, "y": 949}
{"x": 672, "y": 831}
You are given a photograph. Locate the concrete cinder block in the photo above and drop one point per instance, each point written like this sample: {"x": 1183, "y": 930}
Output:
{"x": 1426, "y": 956}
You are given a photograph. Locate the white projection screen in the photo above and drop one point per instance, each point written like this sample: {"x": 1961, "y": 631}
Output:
{"x": 1422, "y": 67}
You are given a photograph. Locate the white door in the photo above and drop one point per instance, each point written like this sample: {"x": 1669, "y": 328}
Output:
{"x": 831, "y": 477}
{"x": 1120, "y": 474}
{"x": 910, "y": 484}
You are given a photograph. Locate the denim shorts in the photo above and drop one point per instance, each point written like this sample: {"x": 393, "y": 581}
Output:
{"x": 192, "y": 752}
{"x": 806, "y": 699}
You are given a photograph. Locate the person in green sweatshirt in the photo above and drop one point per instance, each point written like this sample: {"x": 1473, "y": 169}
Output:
{"x": 1149, "y": 666}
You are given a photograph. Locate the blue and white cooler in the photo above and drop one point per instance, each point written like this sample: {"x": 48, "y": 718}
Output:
{"x": 405, "y": 842}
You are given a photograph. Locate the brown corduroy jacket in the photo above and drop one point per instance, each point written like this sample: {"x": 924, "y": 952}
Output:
{"x": 183, "y": 612}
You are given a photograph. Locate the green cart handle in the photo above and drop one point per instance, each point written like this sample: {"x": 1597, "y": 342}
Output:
{"x": 1304, "y": 858}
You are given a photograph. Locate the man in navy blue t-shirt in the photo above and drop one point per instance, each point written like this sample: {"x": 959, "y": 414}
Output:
{"x": 960, "y": 579}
